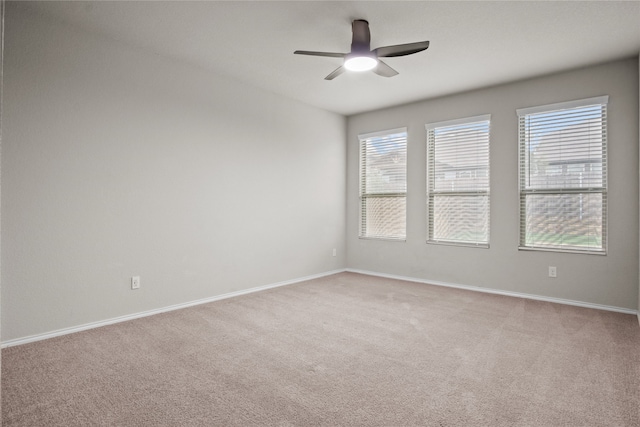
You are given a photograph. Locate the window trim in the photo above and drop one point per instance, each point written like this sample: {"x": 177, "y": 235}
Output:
{"x": 429, "y": 228}
{"x": 361, "y": 138}
{"x": 604, "y": 189}
{"x": 603, "y": 100}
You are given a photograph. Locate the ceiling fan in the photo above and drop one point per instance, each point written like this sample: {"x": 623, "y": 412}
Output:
{"x": 362, "y": 58}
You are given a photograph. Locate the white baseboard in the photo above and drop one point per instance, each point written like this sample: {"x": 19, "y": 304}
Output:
{"x": 92, "y": 325}
{"x": 501, "y": 292}
{"x": 86, "y": 326}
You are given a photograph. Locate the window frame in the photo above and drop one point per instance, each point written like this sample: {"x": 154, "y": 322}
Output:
{"x": 363, "y": 195}
{"x": 431, "y": 193}
{"x": 523, "y": 192}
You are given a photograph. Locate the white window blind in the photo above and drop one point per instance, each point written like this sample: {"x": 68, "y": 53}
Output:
{"x": 458, "y": 181}
{"x": 563, "y": 176}
{"x": 383, "y": 184}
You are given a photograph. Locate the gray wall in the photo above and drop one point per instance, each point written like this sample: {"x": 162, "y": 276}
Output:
{"x": 609, "y": 280}
{"x": 117, "y": 162}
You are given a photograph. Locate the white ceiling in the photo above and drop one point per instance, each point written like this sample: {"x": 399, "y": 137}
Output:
{"x": 473, "y": 44}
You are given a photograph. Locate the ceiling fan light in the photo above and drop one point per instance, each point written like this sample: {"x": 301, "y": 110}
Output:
{"x": 360, "y": 63}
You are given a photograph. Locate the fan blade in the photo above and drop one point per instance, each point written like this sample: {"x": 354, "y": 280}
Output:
{"x": 329, "y": 54}
{"x": 400, "y": 49}
{"x": 361, "y": 40}
{"x": 335, "y": 73}
{"x": 384, "y": 70}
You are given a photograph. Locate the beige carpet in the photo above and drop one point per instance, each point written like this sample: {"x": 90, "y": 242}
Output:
{"x": 342, "y": 350}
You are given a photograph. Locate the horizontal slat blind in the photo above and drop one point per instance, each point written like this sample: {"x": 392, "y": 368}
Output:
{"x": 458, "y": 181}
{"x": 563, "y": 177}
{"x": 383, "y": 185}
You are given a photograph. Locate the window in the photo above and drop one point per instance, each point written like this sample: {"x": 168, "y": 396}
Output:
{"x": 563, "y": 176}
{"x": 383, "y": 184}
{"x": 458, "y": 181}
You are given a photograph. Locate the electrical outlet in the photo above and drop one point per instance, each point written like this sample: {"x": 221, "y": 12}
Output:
{"x": 135, "y": 282}
{"x": 334, "y": 251}
{"x": 552, "y": 272}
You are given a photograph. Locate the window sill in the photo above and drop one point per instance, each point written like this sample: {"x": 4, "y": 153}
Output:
{"x": 466, "y": 245}
{"x": 568, "y": 251}
{"x": 386, "y": 239}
